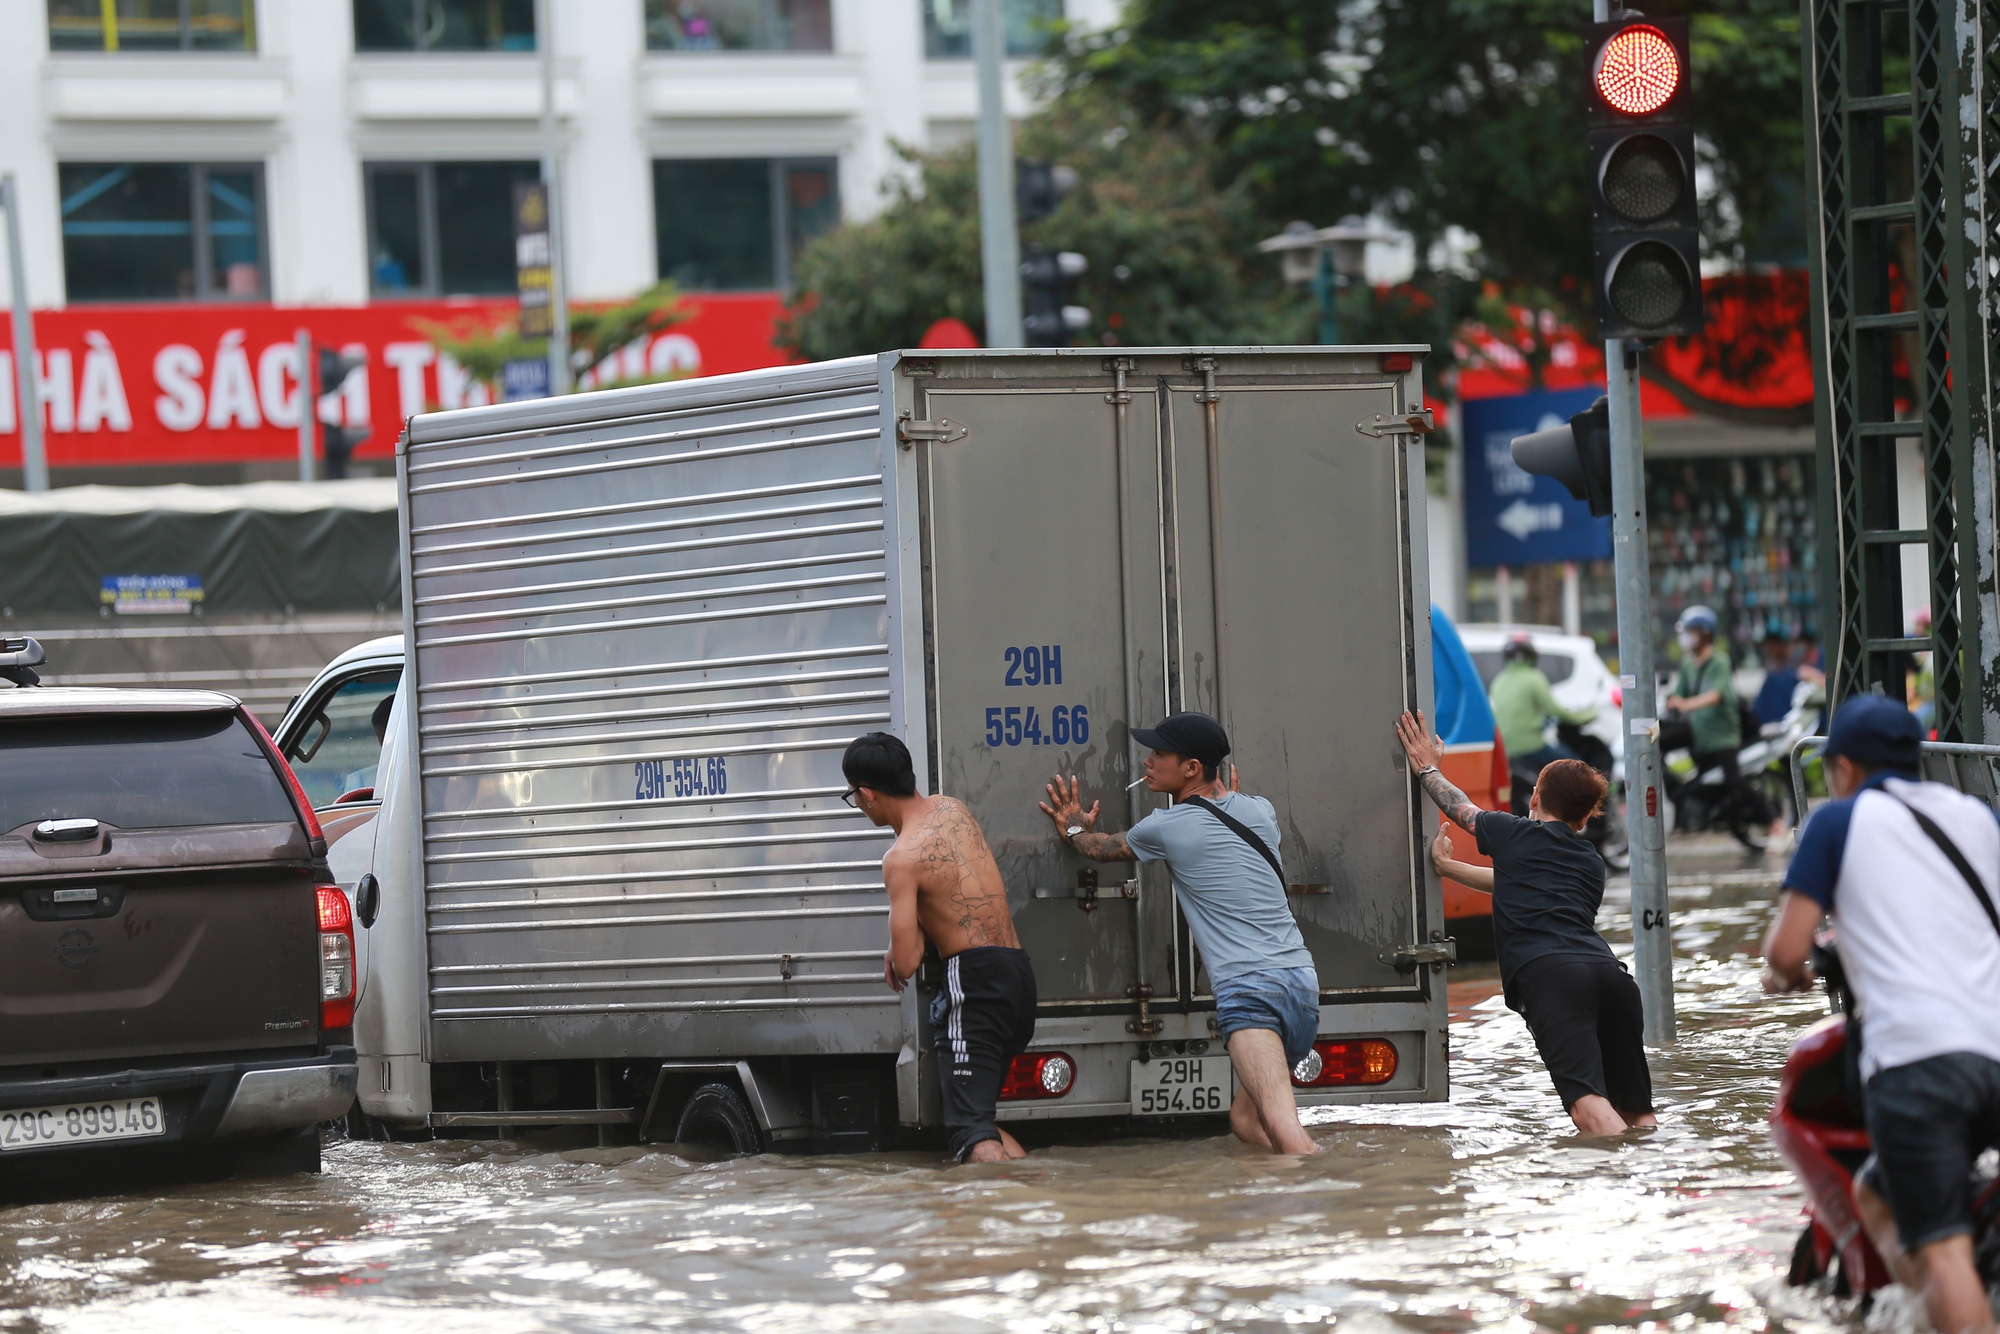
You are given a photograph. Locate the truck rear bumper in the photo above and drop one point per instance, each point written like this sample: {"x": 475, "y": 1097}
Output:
{"x": 201, "y": 1101}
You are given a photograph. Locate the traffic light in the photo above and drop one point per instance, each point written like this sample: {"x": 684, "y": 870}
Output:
{"x": 336, "y": 443}
{"x": 1577, "y": 455}
{"x": 1039, "y": 187}
{"x": 1643, "y": 220}
{"x": 1047, "y": 318}
{"x": 335, "y": 367}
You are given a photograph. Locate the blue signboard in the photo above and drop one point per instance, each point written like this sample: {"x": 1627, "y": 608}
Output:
{"x": 525, "y": 378}
{"x": 1514, "y": 517}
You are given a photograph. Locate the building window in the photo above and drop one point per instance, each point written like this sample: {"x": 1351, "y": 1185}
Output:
{"x": 444, "y": 25}
{"x": 152, "y": 25}
{"x": 443, "y": 228}
{"x": 739, "y": 25}
{"x": 948, "y": 27}
{"x": 740, "y": 223}
{"x": 163, "y": 231}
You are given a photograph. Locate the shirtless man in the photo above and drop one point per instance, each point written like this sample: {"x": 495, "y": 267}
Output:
{"x": 944, "y": 888}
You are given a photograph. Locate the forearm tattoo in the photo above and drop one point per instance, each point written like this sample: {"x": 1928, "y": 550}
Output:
{"x": 1457, "y": 807}
{"x": 1104, "y": 847}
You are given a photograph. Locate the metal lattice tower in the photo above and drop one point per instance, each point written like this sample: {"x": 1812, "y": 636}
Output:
{"x": 1910, "y": 263}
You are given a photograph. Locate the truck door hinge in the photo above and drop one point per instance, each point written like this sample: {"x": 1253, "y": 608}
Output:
{"x": 1145, "y": 1025}
{"x": 1437, "y": 954}
{"x": 943, "y": 431}
{"x": 1119, "y": 367}
{"x": 1205, "y": 367}
{"x": 1420, "y": 422}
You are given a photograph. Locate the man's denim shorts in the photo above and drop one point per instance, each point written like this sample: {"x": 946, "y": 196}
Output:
{"x": 1283, "y": 1000}
{"x": 1929, "y": 1121}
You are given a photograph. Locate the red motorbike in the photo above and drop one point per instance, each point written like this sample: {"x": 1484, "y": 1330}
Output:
{"x": 1818, "y": 1126}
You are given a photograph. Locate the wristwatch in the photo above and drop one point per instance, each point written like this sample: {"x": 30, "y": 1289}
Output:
{"x": 1069, "y": 834}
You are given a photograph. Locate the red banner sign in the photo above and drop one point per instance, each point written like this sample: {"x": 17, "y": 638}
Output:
{"x": 213, "y": 383}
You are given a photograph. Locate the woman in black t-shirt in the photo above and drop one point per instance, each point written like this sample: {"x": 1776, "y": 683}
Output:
{"x": 1547, "y": 882}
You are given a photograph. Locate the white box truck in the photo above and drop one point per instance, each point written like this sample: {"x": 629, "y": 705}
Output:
{"x": 612, "y": 881}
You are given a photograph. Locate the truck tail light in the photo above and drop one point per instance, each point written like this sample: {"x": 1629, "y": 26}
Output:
{"x": 1038, "y": 1074}
{"x": 336, "y": 959}
{"x": 1357, "y": 1061}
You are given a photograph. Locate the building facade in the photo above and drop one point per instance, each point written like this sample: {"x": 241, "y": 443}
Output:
{"x": 333, "y": 151}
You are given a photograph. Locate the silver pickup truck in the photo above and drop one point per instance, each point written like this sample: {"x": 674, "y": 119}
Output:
{"x": 612, "y": 883}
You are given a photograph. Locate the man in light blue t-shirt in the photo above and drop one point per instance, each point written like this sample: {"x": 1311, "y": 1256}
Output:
{"x": 1220, "y": 846}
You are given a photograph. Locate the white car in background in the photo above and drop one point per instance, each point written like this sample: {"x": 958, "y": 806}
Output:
{"x": 1578, "y": 678}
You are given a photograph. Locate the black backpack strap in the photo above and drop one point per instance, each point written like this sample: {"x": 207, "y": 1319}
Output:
{"x": 1950, "y": 850}
{"x": 1244, "y": 832}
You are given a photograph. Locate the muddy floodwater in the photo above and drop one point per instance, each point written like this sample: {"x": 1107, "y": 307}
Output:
{"x": 1485, "y": 1213}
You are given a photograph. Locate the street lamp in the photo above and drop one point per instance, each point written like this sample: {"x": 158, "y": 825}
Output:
{"x": 1326, "y": 259}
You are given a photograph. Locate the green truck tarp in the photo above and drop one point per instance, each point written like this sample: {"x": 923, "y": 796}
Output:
{"x": 263, "y": 547}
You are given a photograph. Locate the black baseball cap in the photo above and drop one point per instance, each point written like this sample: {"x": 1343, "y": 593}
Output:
{"x": 1876, "y": 732}
{"x": 1193, "y": 735}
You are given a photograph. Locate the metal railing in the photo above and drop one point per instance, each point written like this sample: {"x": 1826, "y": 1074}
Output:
{"x": 1972, "y": 769}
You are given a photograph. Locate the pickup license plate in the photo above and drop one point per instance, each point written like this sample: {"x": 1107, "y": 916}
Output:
{"x": 1181, "y": 1086}
{"x": 81, "y": 1122}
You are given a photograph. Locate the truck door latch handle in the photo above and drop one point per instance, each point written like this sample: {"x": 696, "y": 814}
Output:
{"x": 943, "y": 431}
{"x": 1420, "y": 422}
{"x": 1437, "y": 955}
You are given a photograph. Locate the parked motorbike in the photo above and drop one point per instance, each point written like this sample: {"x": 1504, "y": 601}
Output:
{"x": 1607, "y": 828}
{"x": 1820, "y": 1130}
{"x": 1698, "y": 800}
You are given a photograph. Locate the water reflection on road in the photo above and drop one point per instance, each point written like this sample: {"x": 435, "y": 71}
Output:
{"x": 1484, "y": 1213}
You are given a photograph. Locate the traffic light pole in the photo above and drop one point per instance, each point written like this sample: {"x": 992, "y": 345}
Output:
{"x": 308, "y": 402}
{"x": 999, "y": 236}
{"x": 34, "y": 462}
{"x": 1652, "y": 938}
{"x": 1645, "y": 832}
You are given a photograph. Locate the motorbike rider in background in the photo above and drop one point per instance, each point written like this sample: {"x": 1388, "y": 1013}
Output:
{"x": 1523, "y": 704}
{"x": 1711, "y": 728}
{"x": 1909, "y": 871}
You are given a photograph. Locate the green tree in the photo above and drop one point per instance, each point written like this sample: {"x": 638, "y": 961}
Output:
{"x": 1453, "y": 113}
{"x": 595, "y": 332}
{"x": 1172, "y": 253}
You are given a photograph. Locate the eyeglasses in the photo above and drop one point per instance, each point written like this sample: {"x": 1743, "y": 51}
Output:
{"x": 847, "y": 799}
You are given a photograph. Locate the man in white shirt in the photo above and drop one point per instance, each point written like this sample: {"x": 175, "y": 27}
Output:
{"x": 1909, "y": 872}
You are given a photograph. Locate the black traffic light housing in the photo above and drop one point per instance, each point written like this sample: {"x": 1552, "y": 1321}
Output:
{"x": 1047, "y": 318}
{"x": 1645, "y": 227}
{"x": 1039, "y": 187}
{"x": 1577, "y": 455}
{"x": 336, "y": 443}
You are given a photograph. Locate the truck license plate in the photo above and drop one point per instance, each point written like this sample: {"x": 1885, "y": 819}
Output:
{"x": 1180, "y": 1086}
{"x": 74, "y": 1123}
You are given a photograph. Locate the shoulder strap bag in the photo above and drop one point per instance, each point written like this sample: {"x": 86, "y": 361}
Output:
{"x": 1244, "y": 832}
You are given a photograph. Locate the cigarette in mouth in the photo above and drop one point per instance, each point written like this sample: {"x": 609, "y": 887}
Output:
{"x": 1135, "y": 782}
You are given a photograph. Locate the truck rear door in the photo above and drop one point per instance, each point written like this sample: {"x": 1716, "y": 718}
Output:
{"x": 179, "y": 919}
{"x": 1223, "y": 539}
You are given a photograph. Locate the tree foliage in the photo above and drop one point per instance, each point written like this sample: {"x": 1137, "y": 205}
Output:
{"x": 595, "y": 333}
{"x": 1172, "y": 250}
{"x": 1453, "y": 113}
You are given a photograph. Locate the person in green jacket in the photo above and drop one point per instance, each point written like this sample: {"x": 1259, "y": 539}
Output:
{"x": 1705, "y": 698}
{"x": 1523, "y": 704}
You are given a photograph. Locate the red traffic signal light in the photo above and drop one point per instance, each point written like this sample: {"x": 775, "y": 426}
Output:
{"x": 1638, "y": 71}
{"x": 1644, "y": 220}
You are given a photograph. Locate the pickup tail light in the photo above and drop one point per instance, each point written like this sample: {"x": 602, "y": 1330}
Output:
{"x": 1038, "y": 1074}
{"x": 1355, "y": 1061}
{"x": 336, "y": 959}
{"x": 299, "y": 799}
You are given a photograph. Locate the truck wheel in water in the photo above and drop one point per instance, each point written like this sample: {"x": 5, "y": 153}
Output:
{"x": 716, "y": 1114}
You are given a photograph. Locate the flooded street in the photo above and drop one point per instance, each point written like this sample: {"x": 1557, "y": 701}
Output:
{"x": 1484, "y": 1213}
